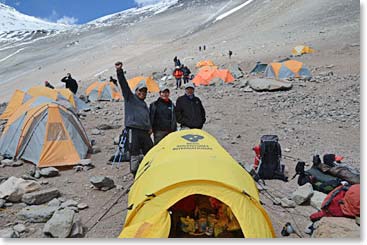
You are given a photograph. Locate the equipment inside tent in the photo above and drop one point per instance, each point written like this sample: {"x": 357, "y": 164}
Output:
{"x": 287, "y": 69}
{"x": 187, "y": 179}
{"x": 259, "y": 68}
{"x": 152, "y": 85}
{"x": 206, "y": 75}
{"x": 302, "y": 49}
{"x": 103, "y": 90}
{"x": 205, "y": 63}
{"x": 45, "y": 133}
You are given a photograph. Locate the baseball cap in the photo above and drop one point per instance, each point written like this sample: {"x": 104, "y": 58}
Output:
{"x": 141, "y": 85}
{"x": 163, "y": 88}
{"x": 189, "y": 85}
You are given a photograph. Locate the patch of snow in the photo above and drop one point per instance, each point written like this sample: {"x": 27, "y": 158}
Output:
{"x": 226, "y": 14}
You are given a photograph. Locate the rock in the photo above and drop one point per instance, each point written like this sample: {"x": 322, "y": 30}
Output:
{"x": 287, "y": 203}
{"x": 2, "y": 203}
{"x": 60, "y": 224}
{"x": 77, "y": 230}
{"x": 317, "y": 199}
{"x": 49, "y": 172}
{"x": 116, "y": 140}
{"x": 14, "y": 188}
{"x": 96, "y": 150}
{"x": 69, "y": 203}
{"x": 102, "y": 182}
{"x": 7, "y": 162}
{"x": 20, "y": 228}
{"x": 236, "y": 71}
{"x": 82, "y": 206}
{"x": 28, "y": 177}
{"x": 337, "y": 227}
{"x": 54, "y": 202}
{"x": 85, "y": 162}
{"x": 37, "y": 174}
{"x": 8, "y": 233}
{"x": 287, "y": 150}
{"x": 261, "y": 84}
{"x": 302, "y": 194}
{"x": 40, "y": 197}
{"x": 107, "y": 127}
{"x": 96, "y": 132}
{"x": 36, "y": 213}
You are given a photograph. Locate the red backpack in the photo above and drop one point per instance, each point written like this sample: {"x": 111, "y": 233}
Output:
{"x": 336, "y": 201}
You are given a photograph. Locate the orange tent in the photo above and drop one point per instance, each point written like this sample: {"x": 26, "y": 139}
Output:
{"x": 206, "y": 75}
{"x": 287, "y": 69}
{"x": 152, "y": 85}
{"x": 103, "y": 91}
{"x": 45, "y": 133}
{"x": 205, "y": 63}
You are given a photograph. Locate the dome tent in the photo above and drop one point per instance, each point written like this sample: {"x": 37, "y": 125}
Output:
{"x": 191, "y": 162}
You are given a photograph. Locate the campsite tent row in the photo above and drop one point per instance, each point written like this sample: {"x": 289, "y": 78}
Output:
{"x": 20, "y": 97}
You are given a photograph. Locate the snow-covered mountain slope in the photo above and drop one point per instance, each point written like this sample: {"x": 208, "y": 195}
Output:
{"x": 15, "y": 26}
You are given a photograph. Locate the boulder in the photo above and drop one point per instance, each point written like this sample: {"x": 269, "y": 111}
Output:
{"x": 96, "y": 132}
{"x": 49, "y": 172}
{"x": 37, "y": 213}
{"x": 14, "y": 188}
{"x": 69, "y": 203}
{"x": 82, "y": 206}
{"x": 317, "y": 199}
{"x": 102, "y": 182}
{"x": 20, "y": 228}
{"x": 302, "y": 194}
{"x": 2, "y": 203}
{"x": 60, "y": 224}
{"x": 337, "y": 227}
{"x": 54, "y": 202}
{"x": 77, "y": 230}
{"x": 8, "y": 233}
{"x": 262, "y": 84}
{"x": 40, "y": 197}
{"x": 11, "y": 163}
{"x": 287, "y": 203}
{"x": 85, "y": 162}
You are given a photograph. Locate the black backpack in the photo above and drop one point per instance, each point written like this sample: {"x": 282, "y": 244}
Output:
{"x": 270, "y": 155}
{"x": 122, "y": 153}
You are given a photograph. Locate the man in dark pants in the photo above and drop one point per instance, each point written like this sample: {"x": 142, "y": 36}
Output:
{"x": 186, "y": 74}
{"x": 137, "y": 120}
{"x": 190, "y": 112}
{"x": 162, "y": 115}
{"x": 70, "y": 83}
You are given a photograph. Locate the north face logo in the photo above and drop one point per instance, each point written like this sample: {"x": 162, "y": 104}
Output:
{"x": 193, "y": 137}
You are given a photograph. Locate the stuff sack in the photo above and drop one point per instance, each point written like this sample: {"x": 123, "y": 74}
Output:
{"x": 270, "y": 156}
{"x": 343, "y": 201}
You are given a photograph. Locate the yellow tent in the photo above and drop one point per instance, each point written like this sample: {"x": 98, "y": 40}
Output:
{"x": 191, "y": 162}
{"x": 18, "y": 98}
{"x": 302, "y": 49}
{"x": 287, "y": 69}
{"x": 103, "y": 91}
{"x": 152, "y": 85}
{"x": 45, "y": 133}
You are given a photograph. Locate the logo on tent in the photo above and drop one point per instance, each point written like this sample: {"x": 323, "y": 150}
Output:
{"x": 193, "y": 137}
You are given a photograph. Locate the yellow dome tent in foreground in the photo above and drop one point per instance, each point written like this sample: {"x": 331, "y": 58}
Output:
{"x": 191, "y": 162}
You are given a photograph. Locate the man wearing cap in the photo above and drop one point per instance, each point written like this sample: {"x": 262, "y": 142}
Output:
{"x": 137, "y": 120}
{"x": 190, "y": 112}
{"x": 162, "y": 115}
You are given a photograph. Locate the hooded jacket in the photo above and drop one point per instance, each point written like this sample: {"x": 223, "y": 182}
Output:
{"x": 163, "y": 116}
{"x": 136, "y": 110}
{"x": 190, "y": 112}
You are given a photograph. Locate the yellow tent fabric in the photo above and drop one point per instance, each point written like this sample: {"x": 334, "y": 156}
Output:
{"x": 152, "y": 85}
{"x": 68, "y": 95}
{"x": 46, "y": 134}
{"x": 287, "y": 69}
{"x": 205, "y": 63}
{"x": 302, "y": 49}
{"x": 43, "y": 91}
{"x": 191, "y": 162}
{"x": 15, "y": 102}
{"x": 103, "y": 91}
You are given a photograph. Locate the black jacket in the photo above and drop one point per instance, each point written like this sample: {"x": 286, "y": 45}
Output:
{"x": 136, "y": 110}
{"x": 190, "y": 112}
{"x": 163, "y": 116}
{"x": 186, "y": 71}
{"x": 70, "y": 83}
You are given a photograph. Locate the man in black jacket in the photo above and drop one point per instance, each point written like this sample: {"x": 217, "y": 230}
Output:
{"x": 190, "y": 112}
{"x": 186, "y": 74}
{"x": 162, "y": 115}
{"x": 137, "y": 121}
{"x": 70, "y": 83}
